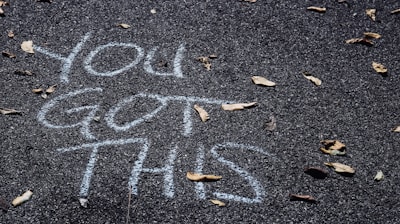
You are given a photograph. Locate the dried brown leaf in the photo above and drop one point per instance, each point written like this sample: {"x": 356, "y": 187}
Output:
{"x": 341, "y": 168}
{"x": 38, "y": 90}
{"x": 379, "y": 68}
{"x": 27, "y": 46}
{"x": 203, "y": 114}
{"x": 313, "y": 79}
{"x": 237, "y": 106}
{"x": 10, "y": 34}
{"x": 316, "y": 172}
{"x": 271, "y": 124}
{"x": 51, "y": 89}
{"x": 202, "y": 177}
{"x": 302, "y": 197}
{"x": 21, "y": 199}
{"x": 395, "y": 11}
{"x": 8, "y": 54}
{"x": 333, "y": 147}
{"x": 23, "y": 72}
{"x": 258, "y": 80}
{"x": 360, "y": 41}
{"x": 316, "y": 9}
{"x": 379, "y": 175}
{"x": 206, "y": 62}
{"x": 6, "y": 111}
{"x": 372, "y": 35}
{"x": 3, "y": 3}
{"x": 396, "y": 129}
{"x": 124, "y": 25}
{"x": 371, "y": 13}
{"x": 217, "y": 202}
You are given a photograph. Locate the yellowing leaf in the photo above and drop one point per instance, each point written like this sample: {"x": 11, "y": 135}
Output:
{"x": 341, "y": 168}
{"x": 395, "y": 11}
{"x": 237, "y": 106}
{"x": 371, "y": 13}
{"x": 317, "y": 9}
{"x": 333, "y": 147}
{"x": 258, "y": 80}
{"x": 6, "y": 111}
{"x": 379, "y": 176}
{"x": 21, "y": 199}
{"x": 360, "y": 41}
{"x": 379, "y": 68}
{"x": 396, "y": 129}
{"x": 27, "y": 46}
{"x": 124, "y": 25}
{"x": 372, "y": 35}
{"x": 51, "y": 89}
{"x": 202, "y": 177}
{"x": 313, "y": 79}
{"x": 203, "y": 114}
{"x": 217, "y": 202}
{"x": 301, "y": 197}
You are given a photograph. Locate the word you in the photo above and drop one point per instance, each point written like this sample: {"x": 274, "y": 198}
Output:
{"x": 168, "y": 169}
{"x": 67, "y": 61}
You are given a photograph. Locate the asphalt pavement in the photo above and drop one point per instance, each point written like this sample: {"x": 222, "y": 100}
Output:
{"x": 112, "y": 131}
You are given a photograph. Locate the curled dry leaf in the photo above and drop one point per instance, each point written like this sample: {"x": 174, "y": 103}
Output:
{"x": 203, "y": 114}
{"x": 217, "y": 202}
{"x": 313, "y": 79}
{"x": 258, "y": 80}
{"x": 3, "y": 3}
{"x": 21, "y": 199}
{"x": 341, "y": 168}
{"x": 372, "y": 35}
{"x": 51, "y": 89}
{"x": 237, "y": 106}
{"x": 124, "y": 25}
{"x": 212, "y": 56}
{"x": 8, "y": 54}
{"x": 371, "y": 13}
{"x": 316, "y": 9}
{"x": 379, "y": 175}
{"x": 271, "y": 124}
{"x": 363, "y": 41}
{"x": 206, "y": 62}
{"x": 333, "y": 147}
{"x": 6, "y": 111}
{"x": 202, "y": 177}
{"x": 395, "y": 11}
{"x": 302, "y": 197}
{"x": 23, "y": 72}
{"x": 379, "y": 68}
{"x": 27, "y": 46}
{"x": 38, "y": 90}
{"x": 396, "y": 129}
{"x": 10, "y": 34}
{"x": 316, "y": 172}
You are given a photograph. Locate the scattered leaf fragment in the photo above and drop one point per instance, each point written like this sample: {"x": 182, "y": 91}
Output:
{"x": 259, "y": 80}
{"x": 38, "y": 90}
{"x": 51, "y": 89}
{"x": 27, "y": 46}
{"x": 23, "y": 72}
{"x": 372, "y": 35}
{"x": 212, "y": 56}
{"x": 21, "y": 199}
{"x": 341, "y": 168}
{"x": 364, "y": 41}
{"x": 271, "y": 124}
{"x": 1, "y": 12}
{"x": 124, "y": 25}
{"x": 217, "y": 202}
{"x": 313, "y": 79}
{"x": 44, "y": 95}
{"x": 302, "y": 197}
{"x": 6, "y": 111}
{"x": 8, "y": 54}
{"x": 83, "y": 202}
{"x": 396, "y": 129}
{"x": 371, "y": 13}
{"x": 3, "y": 3}
{"x": 237, "y": 106}
{"x": 153, "y": 11}
{"x": 395, "y": 11}
{"x": 379, "y": 68}
{"x": 10, "y": 34}
{"x": 203, "y": 114}
{"x": 317, "y": 9}
{"x": 206, "y": 62}
{"x": 202, "y": 177}
{"x": 333, "y": 147}
{"x": 97, "y": 118}
{"x": 316, "y": 172}
{"x": 379, "y": 175}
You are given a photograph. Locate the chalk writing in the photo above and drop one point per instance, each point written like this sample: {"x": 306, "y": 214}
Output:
{"x": 67, "y": 62}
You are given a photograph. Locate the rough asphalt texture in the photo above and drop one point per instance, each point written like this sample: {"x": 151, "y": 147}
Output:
{"x": 275, "y": 39}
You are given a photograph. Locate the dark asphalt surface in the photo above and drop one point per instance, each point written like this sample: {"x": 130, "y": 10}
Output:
{"x": 275, "y": 39}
